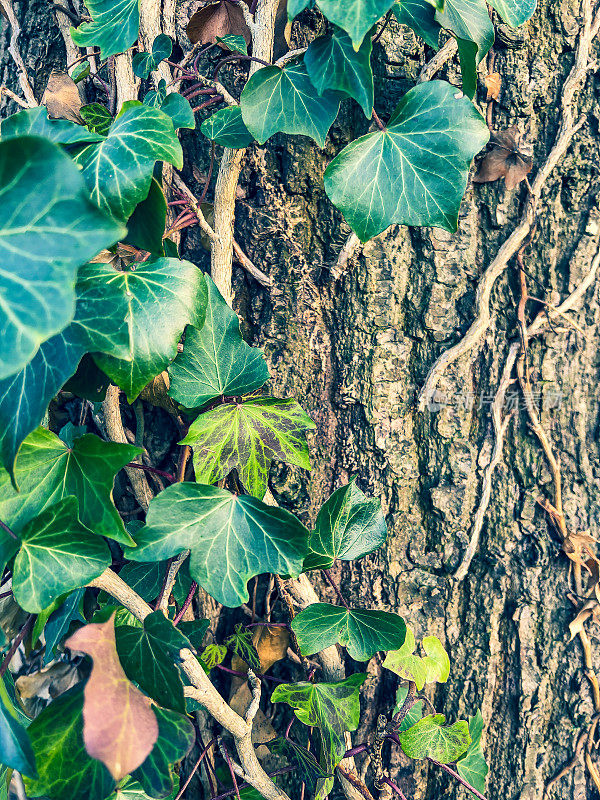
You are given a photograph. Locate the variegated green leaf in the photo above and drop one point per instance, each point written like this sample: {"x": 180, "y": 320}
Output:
{"x": 114, "y": 26}
{"x": 429, "y": 738}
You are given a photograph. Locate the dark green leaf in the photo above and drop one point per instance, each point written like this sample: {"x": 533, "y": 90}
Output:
{"x": 145, "y": 63}
{"x": 334, "y": 708}
{"x": 97, "y": 118}
{"x": 362, "y": 632}
{"x": 279, "y": 100}
{"x": 15, "y": 747}
{"x": 467, "y": 54}
{"x": 309, "y": 769}
{"x": 333, "y": 63}
{"x": 429, "y": 738}
{"x": 57, "y": 554}
{"x": 155, "y": 300}
{"x": 216, "y": 360}
{"x": 176, "y": 736}
{"x": 155, "y": 97}
{"x": 348, "y": 526}
{"x": 57, "y": 740}
{"x": 472, "y": 765}
{"x": 247, "y": 437}
{"x": 180, "y": 111}
{"x": 356, "y": 17}
{"x": 241, "y": 644}
{"x": 434, "y": 667}
{"x": 48, "y": 228}
{"x": 420, "y": 16}
{"x": 88, "y": 381}
{"x": 234, "y": 42}
{"x": 80, "y": 71}
{"x": 118, "y": 170}
{"x": 60, "y": 620}
{"x": 47, "y": 470}
{"x": 114, "y": 26}
{"x": 470, "y": 21}
{"x": 226, "y": 127}
{"x": 515, "y": 12}
{"x": 415, "y": 171}
{"x": 145, "y": 579}
{"x": 147, "y": 654}
{"x": 231, "y": 538}
{"x": 414, "y": 713}
{"x": 146, "y": 226}
{"x": 195, "y": 630}
{"x": 35, "y": 122}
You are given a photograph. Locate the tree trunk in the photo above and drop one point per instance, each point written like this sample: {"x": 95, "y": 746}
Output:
{"x": 354, "y": 352}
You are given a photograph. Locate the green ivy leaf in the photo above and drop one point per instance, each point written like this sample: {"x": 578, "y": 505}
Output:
{"x": 356, "y": 17}
{"x": 349, "y": 525}
{"x": 176, "y": 737}
{"x": 472, "y": 765}
{"x": 80, "y": 71}
{"x": 429, "y": 738}
{"x": 48, "y": 228}
{"x": 420, "y": 16}
{"x": 180, "y": 111}
{"x": 415, "y": 171}
{"x": 156, "y": 96}
{"x": 195, "y": 630}
{"x": 35, "y": 122}
{"x": 231, "y": 538}
{"x": 118, "y": 170}
{"x": 333, "y": 63}
{"x": 240, "y": 643}
{"x": 362, "y": 632}
{"x": 434, "y": 668}
{"x": 128, "y": 789}
{"x": 88, "y": 382}
{"x": 156, "y": 300}
{"x": 114, "y": 26}
{"x": 515, "y": 12}
{"x": 57, "y": 740}
{"x": 97, "y": 118}
{"x": 309, "y": 769}
{"x": 15, "y": 747}
{"x": 234, "y": 42}
{"x": 414, "y": 713}
{"x": 226, "y": 127}
{"x": 147, "y": 654}
{"x": 146, "y": 226}
{"x": 213, "y": 654}
{"x": 216, "y": 360}
{"x": 145, "y": 63}
{"x": 279, "y": 100}
{"x": 55, "y": 555}
{"x": 47, "y": 470}
{"x": 59, "y": 622}
{"x": 470, "y": 21}
{"x": 247, "y": 437}
{"x": 334, "y": 708}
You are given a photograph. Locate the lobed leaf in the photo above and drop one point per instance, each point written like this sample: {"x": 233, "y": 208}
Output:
{"x": 144, "y": 63}
{"x": 97, "y": 118}
{"x": 226, "y": 127}
{"x": 356, "y": 17}
{"x": 35, "y": 122}
{"x": 429, "y": 738}
{"x": 114, "y": 26}
{"x": 435, "y": 667}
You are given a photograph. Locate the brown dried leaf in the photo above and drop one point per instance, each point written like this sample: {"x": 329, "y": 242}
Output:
{"x": 505, "y": 159}
{"x": 119, "y": 726}
{"x": 590, "y": 609}
{"x": 271, "y": 643}
{"x": 155, "y": 393}
{"x": 493, "y": 83}
{"x": 217, "y": 19}
{"x": 61, "y": 97}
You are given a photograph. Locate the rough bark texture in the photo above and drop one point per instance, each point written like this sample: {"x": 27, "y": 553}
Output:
{"x": 354, "y": 351}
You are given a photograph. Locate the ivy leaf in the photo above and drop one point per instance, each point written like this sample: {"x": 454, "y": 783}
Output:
{"x": 15, "y": 747}
{"x": 195, "y": 631}
{"x": 415, "y": 171}
{"x": 57, "y": 554}
{"x": 59, "y": 622}
{"x": 114, "y": 26}
{"x": 333, "y": 63}
{"x": 420, "y": 16}
{"x": 118, "y": 170}
{"x": 247, "y": 437}
{"x": 362, "y": 632}
{"x": 155, "y": 300}
{"x": 35, "y": 122}
{"x": 470, "y": 21}
{"x": 429, "y": 738}
{"x": 414, "y": 713}
{"x": 176, "y": 737}
{"x": 80, "y": 71}
{"x": 309, "y": 769}
{"x": 279, "y": 100}
{"x": 435, "y": 667}
{"x": 227, "y": 128}
{"x": 515, "y": 12}
{"x": 57, "y": 739}
{"x": 147, "y": 656}
{"x": 472, "y": 765}
{"x": 179, "y": 110}
{"x": 47, "y": 470}
{"x": 145, "y": 63}
{"x": 334, "y": 708}
{"x": 48, "y": 229}
{"x": 234, "y": 42}
{"x": 146, "y": 226}
{"x": 216, "y": 360}
{"x": 212, "y": 655}
{"x": 242, "y": 645}
{"x": 231, "y": 538}
{"x": 349, "y": 525}
{"x": 145, "y": 579}
{"x": 356, "y": 17}
{"x": 97, "y": 118}
{"x": 120, "y": 728}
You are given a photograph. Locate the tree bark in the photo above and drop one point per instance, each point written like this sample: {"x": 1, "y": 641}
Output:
{"x": 354, "y": 351}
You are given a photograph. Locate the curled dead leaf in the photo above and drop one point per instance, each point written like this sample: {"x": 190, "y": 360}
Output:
{"x": 493, "y": 83}
{"x": 218, "y": 19}
{"x": 61, "y": 97}
{"x": 119, "y": 726}
{"x": 505, "y": 159}
{"x": 590, "y": 609}
{"x": 271, "y": 643}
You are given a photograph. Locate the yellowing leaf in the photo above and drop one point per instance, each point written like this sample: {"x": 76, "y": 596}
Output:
{"x": 435, "y": 667}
